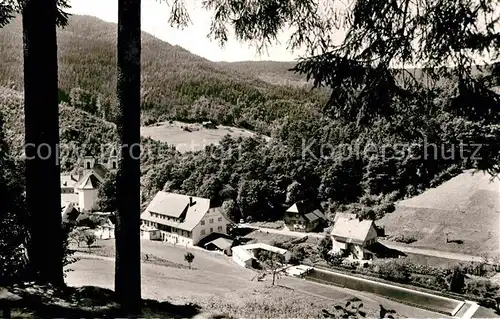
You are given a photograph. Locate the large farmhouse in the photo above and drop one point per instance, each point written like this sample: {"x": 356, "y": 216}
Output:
{"x": 183, "y": 219}
{"x": 351, "y": 237}
{"x": 80, "y": 187}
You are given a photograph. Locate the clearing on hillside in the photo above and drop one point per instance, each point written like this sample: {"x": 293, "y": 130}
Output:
{"x": 191, "y": 137}
{"x": 462, "y": 215}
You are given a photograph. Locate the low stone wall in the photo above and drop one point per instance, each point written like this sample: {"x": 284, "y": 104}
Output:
{"x": 415, "y": 298}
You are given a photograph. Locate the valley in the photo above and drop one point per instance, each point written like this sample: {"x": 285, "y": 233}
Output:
{"x": 340, "y": 173}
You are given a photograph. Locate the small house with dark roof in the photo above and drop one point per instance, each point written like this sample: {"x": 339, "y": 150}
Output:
{"x": 220, "y": 244}
{"x": 183, "y": 219}
{"x": 305, "y": 216}
{"x": 352, "y": 237}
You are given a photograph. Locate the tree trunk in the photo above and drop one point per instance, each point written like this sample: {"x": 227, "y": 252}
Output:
{"x": 43, "y": 189}
{"x": 128, "y": 254}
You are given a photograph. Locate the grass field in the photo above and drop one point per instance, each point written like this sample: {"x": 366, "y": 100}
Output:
{"x": 218, "y": 285}
{"x": 465, "y": 209}
{"x": 199, "y": 137}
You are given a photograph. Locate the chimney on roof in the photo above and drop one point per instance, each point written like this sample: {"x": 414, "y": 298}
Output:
{"x": 191, "y": 202}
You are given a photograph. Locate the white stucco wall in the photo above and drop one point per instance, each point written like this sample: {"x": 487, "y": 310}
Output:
{"x": 218, "y": 226}
{"x": 176, "y": 239}
{"x": 151, "y": 234}
{"x": 241, "y": 257}
{"x": 337, "y": 247}
{"x": 87, "y": 198}
{"x": 105, "y": 233}
{"x": 357, "y": 250}
{"x": 209, "y": 221}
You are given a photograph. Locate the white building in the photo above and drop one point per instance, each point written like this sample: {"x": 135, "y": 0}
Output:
{"x": 80, "y": 187}
{"x": 245, "y": 255}
{"x": 351, "y": 237}
{"x": 106, "y": 231}
{"x": 242, "y": 257}
{"x": 183, "y": 219}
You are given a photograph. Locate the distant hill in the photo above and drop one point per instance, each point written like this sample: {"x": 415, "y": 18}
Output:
{"x": 173, "y": 79}
{"x": 277, "y": 73}
{"x": 467, "y": 207}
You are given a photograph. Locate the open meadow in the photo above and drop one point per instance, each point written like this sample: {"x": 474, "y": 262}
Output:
{"x": 462, "y": 215}
{"x": 194, "y": 138}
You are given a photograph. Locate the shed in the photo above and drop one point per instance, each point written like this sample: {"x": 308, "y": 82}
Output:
{"x": 221, "y": 244}
{"x": 242, "y": 257}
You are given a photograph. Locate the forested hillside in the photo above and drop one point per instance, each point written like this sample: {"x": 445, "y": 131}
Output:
{"x": 81, "y": 134}
{"x": 314, "y": 154}
{"x": 251, "y": 177}
{"x": 278, "y": 73}
{"x": 176, "y": 84}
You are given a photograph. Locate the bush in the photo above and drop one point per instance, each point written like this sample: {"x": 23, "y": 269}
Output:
{"x": 346, "y": 263}
{"x": 482, "y": 288}
{"x": 84, "y": 220}
{"x": 298, "y": 254}
{"x": 457, "y": 281}
{"x": 395, "y": 270}
{"x": 324, "y": 247}
{"x": 405, "y": 239}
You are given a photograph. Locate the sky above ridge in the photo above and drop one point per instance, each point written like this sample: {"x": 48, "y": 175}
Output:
{"x": 155, "y": 14}
{"x": 194, "y": 38}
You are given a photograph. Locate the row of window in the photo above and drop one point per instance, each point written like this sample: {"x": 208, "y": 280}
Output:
{"x": 203, "y": 232}
{"x": 163, "y": 217}
{"x": 169, "y": 229}
{"x": 211, "y": 221}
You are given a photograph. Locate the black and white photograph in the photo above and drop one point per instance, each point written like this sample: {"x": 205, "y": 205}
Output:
{"x": 250, "y": 159}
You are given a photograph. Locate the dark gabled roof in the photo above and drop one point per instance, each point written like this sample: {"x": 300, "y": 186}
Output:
{"x": 315, "y": 215}
{"x": 100, "y": 170}
{"x": 88, "y": 181}
{"x": 309, "y": 209}
{"x": 221, "y": 243}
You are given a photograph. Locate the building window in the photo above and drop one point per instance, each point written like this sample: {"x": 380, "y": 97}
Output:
{"x": 202, "y": 232}
{"x": 202, "y": 222}
{"x": 219, "y": 228}
{"x": 219, "y": 219}
{"x": 211, "y": 230}
{"x": 211, "y": 221}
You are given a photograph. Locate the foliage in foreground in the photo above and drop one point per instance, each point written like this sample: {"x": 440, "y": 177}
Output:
{"x": 13, "y": 215}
